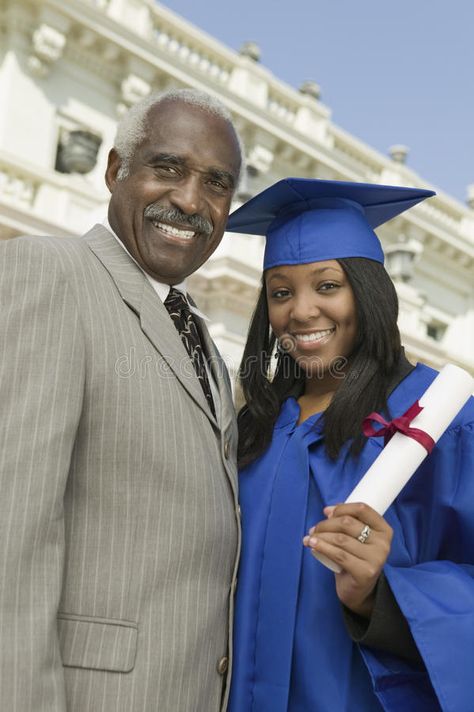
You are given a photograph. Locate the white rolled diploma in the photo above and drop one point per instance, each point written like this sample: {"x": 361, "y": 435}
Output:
{"x": 402, "y": 455}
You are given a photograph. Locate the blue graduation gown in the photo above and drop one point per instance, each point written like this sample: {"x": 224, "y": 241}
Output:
{"x": 291, "y": 650}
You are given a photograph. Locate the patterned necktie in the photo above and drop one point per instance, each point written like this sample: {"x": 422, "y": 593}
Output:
{"x": 185, "y": 323}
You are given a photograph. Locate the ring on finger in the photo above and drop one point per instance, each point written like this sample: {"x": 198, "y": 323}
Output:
{"x": 364, "y": 535}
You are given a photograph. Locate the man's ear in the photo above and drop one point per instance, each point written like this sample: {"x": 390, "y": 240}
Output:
{"x": 113, "y": 165}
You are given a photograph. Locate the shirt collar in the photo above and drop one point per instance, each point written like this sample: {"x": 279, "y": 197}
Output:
{"x": 161, "y": 289}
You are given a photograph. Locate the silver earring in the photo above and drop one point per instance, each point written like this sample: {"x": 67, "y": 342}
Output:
{"x": 279, "y": 350}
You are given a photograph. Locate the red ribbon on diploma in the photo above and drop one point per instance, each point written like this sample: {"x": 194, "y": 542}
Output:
{"x": 401, "y": 425}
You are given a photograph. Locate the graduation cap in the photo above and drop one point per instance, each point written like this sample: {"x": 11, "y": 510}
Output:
{"x": 308, "y": 220}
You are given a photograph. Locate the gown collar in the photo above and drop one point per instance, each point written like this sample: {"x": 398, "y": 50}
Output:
{"x": 290, "y": 410}
{"x": 288, "y": 419}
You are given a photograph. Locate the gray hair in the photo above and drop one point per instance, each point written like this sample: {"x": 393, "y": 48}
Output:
{"x": 132, "y": 128}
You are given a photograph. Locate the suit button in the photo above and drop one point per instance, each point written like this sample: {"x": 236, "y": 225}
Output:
{"x": 227, "y": 449}
{"x": 222, "y": 665}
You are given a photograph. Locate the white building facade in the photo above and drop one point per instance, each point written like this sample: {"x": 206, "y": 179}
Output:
{"x": 68, "y": 70}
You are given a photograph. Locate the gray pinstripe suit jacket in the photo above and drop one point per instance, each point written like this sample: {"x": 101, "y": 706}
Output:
{"x": 118, "y": 513}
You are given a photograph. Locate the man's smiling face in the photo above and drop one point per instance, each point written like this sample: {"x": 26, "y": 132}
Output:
{"x": 171, "y": 210}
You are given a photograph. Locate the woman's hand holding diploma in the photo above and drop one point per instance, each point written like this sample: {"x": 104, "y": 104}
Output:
{"x": 354, "y": 541}
{"x": 358, "y": 540}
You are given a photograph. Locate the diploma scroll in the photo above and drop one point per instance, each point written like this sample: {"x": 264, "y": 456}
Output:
{"x": 402, "y": 455}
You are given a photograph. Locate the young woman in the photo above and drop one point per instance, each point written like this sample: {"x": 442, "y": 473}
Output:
{"x": 395, "y": 629}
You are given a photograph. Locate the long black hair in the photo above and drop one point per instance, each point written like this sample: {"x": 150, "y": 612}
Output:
{"x": 365, "y": 387}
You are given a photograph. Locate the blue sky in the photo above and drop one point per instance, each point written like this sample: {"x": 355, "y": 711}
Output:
{"x": 391, "y": 71}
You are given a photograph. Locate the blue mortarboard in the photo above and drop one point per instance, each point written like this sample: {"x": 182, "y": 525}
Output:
{"x": 306, "y": 220}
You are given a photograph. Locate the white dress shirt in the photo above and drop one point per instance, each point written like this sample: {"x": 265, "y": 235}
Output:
{"x": 162, "y": 290}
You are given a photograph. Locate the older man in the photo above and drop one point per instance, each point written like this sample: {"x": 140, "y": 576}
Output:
{"x": 118, "y": 512}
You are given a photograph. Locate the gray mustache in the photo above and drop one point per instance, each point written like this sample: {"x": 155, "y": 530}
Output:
{"x": 158, "y": 213}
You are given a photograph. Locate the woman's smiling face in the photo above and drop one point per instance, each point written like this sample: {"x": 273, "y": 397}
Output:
{"x": 312, "y": 311}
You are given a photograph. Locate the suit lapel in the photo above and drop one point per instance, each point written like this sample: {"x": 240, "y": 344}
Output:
{"x": 137, "y": 292}
{"x": 217, "y": 366}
